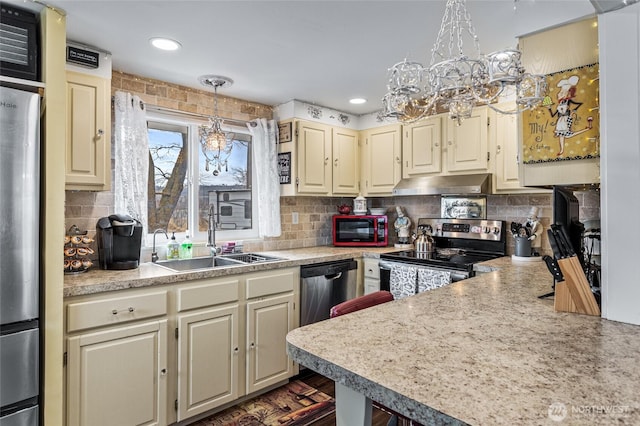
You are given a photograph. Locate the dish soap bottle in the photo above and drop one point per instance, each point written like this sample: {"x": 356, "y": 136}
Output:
{"x": 173, "y": 248}
{"x": 186, "y": 248}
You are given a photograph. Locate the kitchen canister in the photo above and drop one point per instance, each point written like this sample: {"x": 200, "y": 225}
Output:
{"x": 359, "y": 205}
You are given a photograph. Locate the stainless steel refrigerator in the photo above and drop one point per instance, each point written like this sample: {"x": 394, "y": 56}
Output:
{"x": 19, "y": 257}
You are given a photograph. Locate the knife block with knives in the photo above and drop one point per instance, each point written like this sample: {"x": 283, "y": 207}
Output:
{"x": 572, "y": 290}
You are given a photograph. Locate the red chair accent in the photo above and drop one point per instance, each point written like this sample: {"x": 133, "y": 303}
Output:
{"x": 361, "y": 302}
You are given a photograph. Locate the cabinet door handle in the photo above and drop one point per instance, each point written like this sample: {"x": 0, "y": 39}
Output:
{"x": 163, "y": 372}
{"x": 100, "y": 132}
{"x": 326, "y": 161}
{"x": 398, "y": 160}
{"x": 436, "y": 144}
{"x": 236, "y": 350}
{"x": 498, "y": 148}
{"x": 252, "y": 345}
{"x": 449, "y": 143}
{"x": 335, "y": 162}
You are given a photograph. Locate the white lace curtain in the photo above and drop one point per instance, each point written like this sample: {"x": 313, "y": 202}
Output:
{"x": 131, "y": 158}
{"x": 265, "y": 160}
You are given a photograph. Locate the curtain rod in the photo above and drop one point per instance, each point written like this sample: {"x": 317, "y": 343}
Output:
{"x": 230, "y": 121}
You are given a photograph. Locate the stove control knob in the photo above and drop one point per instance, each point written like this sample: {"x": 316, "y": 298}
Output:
{"x": 486, "y": 229}
{"x": 496, "y": 230}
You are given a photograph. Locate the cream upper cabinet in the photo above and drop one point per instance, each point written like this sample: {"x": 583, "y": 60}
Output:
{"x": 346, "y": 162}
{"x": 327, "y": 160}
{"x": 382, "y": 162}
{"x": 314, "y": 158}
{"x": 118, "y": 376}
{"x": 422, "y": 147}
{"x": 467, "y": 147}
{"x": 88, "y": 145}
{"x": 506, "y": 177}
{"x": 507, "y": 158}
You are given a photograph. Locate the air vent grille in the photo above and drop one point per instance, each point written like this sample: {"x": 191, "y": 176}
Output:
{"x": 14, "y": 44}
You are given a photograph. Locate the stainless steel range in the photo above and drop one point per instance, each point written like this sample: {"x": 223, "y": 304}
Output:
{"x": 459, "y": 244}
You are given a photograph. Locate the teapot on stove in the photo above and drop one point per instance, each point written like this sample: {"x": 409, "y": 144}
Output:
{"x": 424, "y": 243}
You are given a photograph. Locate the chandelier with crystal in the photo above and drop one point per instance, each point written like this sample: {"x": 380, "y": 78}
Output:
{"x": 213, "y": 141}
{"x": 455, "y": 82}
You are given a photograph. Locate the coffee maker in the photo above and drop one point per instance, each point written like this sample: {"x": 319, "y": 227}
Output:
{"x": 119, "y": 238}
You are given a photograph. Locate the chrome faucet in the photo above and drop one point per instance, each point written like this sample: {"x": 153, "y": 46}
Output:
{"x": 211, "y": 232}
{"x": 154, "y": 254}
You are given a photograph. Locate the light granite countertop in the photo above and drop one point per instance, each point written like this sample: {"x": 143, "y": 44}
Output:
{"x": 483, "y": 351}
{"x": 147, "y": 274}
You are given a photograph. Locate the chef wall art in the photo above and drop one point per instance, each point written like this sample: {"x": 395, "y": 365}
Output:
{"x": 567, "y": 125}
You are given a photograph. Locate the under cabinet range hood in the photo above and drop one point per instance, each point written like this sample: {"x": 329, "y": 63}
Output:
{"x": 445, "y": 185}
{"x": 602, "y": 6}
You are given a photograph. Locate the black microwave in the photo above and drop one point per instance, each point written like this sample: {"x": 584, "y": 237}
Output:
{"x": 360, "y": 230}
{"x": 19, "y": 43}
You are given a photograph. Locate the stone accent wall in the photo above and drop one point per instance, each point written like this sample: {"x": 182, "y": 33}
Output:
{"x": 181, "y": 98}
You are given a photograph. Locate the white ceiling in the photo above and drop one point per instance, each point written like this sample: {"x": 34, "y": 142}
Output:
{"x": 320, "y": 52}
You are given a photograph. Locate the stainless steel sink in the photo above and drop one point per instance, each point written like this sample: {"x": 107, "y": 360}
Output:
{"x": 181, "y": 265}
{"x": 236, "y": 259}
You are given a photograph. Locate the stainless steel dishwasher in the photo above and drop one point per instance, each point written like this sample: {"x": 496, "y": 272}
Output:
{"x": 324, "y": 285}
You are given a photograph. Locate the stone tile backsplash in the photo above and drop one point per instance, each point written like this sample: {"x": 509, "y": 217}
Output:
{"x": 314, "y": 215}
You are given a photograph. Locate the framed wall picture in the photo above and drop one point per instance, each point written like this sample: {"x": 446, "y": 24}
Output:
{"x": 284, "y": 132}
{"x": 284, "y": 167}
{"x": 454, "y": 207}
{"x": 567, "y": 124}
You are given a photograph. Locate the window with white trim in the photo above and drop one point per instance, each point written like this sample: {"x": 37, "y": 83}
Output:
{"x": 183, "y": 185}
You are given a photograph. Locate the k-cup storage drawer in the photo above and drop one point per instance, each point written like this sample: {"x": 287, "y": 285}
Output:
{"x": 208, "y": 293}
{"x": 116, "y": 310}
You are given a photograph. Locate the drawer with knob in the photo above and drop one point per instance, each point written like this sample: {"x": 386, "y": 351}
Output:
{"x": 115, "y": 310}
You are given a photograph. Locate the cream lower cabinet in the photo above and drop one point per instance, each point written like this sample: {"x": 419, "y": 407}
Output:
{"x": 268, "y": 322}
{"x": 371, "y": 275}
{"x": 208, "y": 327}
{"x": 381, "y": 160}
{"x": 117, "y": 368}
{"x": 227, "y": 340}
{"x": 272, "y": 298}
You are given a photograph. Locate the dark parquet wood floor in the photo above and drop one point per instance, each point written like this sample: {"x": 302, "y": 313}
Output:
{"x": 323, "y": 384}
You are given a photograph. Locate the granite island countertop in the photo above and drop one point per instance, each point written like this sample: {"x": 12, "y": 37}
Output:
{"x": 483, "y": 351}
{"x": 96, "y": 280}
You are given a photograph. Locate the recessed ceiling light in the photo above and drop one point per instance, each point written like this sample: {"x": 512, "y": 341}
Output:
{"x": 357, "y": 101}
{"x": 165, "y": 43}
